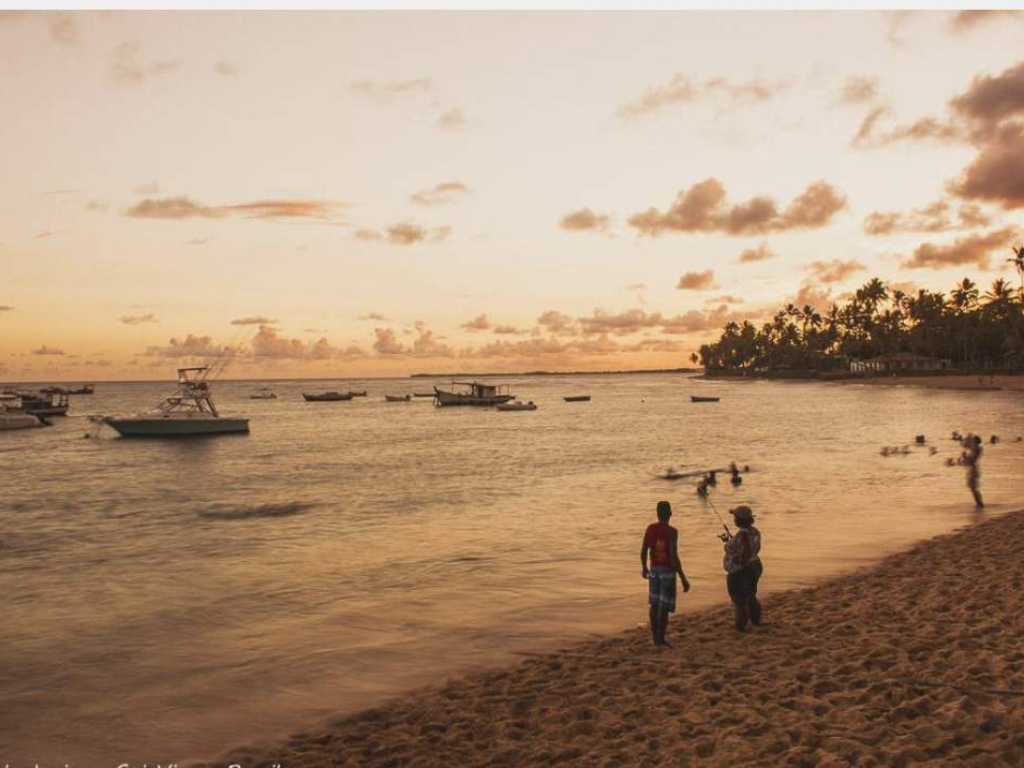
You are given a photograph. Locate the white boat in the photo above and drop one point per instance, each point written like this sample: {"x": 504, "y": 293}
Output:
{"x": 518, "y": 405}
{"x": 263, "y": 394}
{"x": 474, "y": 393}
{"x": 18, "y": 421}
{"x": 188, "y": 412}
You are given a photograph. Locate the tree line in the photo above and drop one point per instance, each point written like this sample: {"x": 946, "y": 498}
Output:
{"x": 973, "y": 330}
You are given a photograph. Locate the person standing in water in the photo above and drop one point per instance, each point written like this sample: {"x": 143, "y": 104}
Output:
{"x": 972, "y": 458}
{"x": 743, "y": 567}
{"x": 661, "y": 540}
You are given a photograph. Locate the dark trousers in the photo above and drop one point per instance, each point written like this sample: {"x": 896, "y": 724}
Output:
{"x": 742, "y": 587}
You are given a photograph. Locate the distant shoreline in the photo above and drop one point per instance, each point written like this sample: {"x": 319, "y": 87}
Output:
{"x": 550, "y": 373}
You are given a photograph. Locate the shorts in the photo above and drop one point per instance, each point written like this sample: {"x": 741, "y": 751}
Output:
{"x": 662, "y": 588}
{"x": 742, "y": 585}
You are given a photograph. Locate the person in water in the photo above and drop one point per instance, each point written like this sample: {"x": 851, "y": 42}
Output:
{"x": 735, "y": 472}
{"x": 971, "y": 458}
{"x": 743, "y": 567}
{"x": 661, "y": 542}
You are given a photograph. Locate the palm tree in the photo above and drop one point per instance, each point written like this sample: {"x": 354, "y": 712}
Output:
{"x": 1018, "y": 264}
{"x": 964, "y": 296}
{"x": 999, "y": 293}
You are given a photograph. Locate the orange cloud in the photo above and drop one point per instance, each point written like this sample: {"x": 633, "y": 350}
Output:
{"x": 45, "y": 350}
{"x": 997, "y": 173}
{"x": 138, "y": 319}
{"x": 479, "y": 323}
{"x": 858, "y": 90}
{"x": 681, "y": 89}
{"x": 583, "y": 220}
{"x": 932, "y": 218}
{"x": 128, "y": 68}
{"x": 968, "y": 20}
{"x": 255, "y": 320}
{"x": 975, "y": 249}
{"x": 452, "y": 120}
{"x": 703, "y": 208}
{"x": 445, "y": 192}
{"x": 834, "y": 271}
{"x": 697, "y": 281}
{"x": 186, "y": 208}
{"x": 760, "y": 253}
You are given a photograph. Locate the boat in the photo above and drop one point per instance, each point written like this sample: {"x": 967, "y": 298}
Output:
{"x": 699, "y": 399}
{"x": 40, "y": 404}
{"x": 577, "y": 399}
{"x": 358, "y": 394}
{"x": 263, "y": 394}
{"x": 85, "y": 389}
{"x": 474, "y": 393}
{"x": 9, "y": 421}
{"x": 326, "y": 397}
{"x": 54, "y": 391}
{"x": 189, "y": 412}
{"x": 422, "y": 394}
{"x": 398, "y": 398}
{"x": 518, "y": 405}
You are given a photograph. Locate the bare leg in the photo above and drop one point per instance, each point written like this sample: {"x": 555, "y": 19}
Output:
{"x": 662, "y": 626}
{"x": 654, "y": 624}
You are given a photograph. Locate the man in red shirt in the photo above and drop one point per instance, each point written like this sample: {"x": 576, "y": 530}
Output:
{"x": 661, "y": 540}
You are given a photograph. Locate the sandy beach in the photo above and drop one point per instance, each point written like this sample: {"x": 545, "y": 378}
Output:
{"x": 917, "y": 660}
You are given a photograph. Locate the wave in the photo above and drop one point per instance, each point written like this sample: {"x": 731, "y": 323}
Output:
{"x": 256, "y": 511}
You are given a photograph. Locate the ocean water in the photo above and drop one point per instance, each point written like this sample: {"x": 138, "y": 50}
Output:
{"x": 167, "y": 600}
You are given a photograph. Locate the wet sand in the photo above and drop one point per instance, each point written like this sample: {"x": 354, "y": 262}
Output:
{"x": 919, "y": 659}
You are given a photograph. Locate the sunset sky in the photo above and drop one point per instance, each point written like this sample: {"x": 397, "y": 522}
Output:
{"x": 373, "y": 194}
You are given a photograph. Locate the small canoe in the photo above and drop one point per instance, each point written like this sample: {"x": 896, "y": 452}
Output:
{"x": 325, "y": 397}
{"x": 577, "y": 399}
{"x": 517, "y": 406}
{"x": 698, "y": 399}
{"x": 398, "y": 398}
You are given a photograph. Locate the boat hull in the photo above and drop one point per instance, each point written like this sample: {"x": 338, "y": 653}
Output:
{"x": 453, "y": 398}
{"x": 696, "y": 399}
{"x": 328, "y": 398}
{"x": 10, "y": 421}
{"x": 577, "y": 399}
{"x": 170, "y": 427}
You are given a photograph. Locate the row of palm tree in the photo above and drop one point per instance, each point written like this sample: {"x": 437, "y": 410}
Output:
{"x": 970, "y": 329}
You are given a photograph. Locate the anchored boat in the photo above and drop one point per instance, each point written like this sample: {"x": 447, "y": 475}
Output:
{"x": 518, "y": 406}
{"x": 397, "y": 398}
{"x": 699, "y": 399}
{"x": 188, "y": 412}
{"x": 326, "y": 397}
{"x": 263, "y": 393}
{"x": 473, "y": 393}
{"x": 577, "y": 399}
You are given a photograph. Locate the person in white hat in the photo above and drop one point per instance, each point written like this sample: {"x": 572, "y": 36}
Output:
{"x": 743, "y": 568}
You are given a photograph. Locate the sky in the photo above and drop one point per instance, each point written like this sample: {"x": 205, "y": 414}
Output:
{"x": 349, "y": 194}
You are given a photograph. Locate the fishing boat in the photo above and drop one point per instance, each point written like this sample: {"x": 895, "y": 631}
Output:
{"x": 326, "y": 397}
{"x": 518, "y": 405}
{"x": 699, "y": 399}
{"x": 358, "y": 394}
{"x": 189, "y": 412}
{"x": 263, "y": 394}
{"x": 9, "y": 421}
{"x": 473, "y": 393}
{"x": 53, "y": 391}
{"x": 577, "y": 399}
{"x": 398, "y": 398}
{"x": 85, "y": 389}
{"x": 40, "y": 404}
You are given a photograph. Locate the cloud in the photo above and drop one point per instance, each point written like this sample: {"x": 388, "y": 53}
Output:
{"x": 760, "y": 253}
{"x": 190, "y": 346}
{"x": 990, "y": 100}
{"x": 509, "y": 330}
{"x": 452, "y": 120}
{"x": 426, "y": 343}
{"x": 150, "y": 188}
{"x": 267, "y": 344}
{"x": 6, "y": 308}
{"x": 834, "y": 271}
{"x": 585, "y": 219}
{"x": 197, "y": 241}
{"x": 932, "y": 218}
{"x": 636, "y": 287}
{"x": 479, "y": 323}
{"x": 997, "y": 173}
{"x": 726, "y": 299}
{"x": 697, "y": 281}
{"x": 138, "y": 319}
{"x": 374, "y": 316}
{"x": 185, "y": 208}
{"x": 367, "y": 234}
{"x": 814, "y": 294}
{"x": 254, "y": 320}
{"x": 128, "y": 68}
{"x": 406, "y": 233}
{"x": 858, "y": 90}
{"x": 703, "y": 208}
{"x": 557, "y": 322}
{"x": 43, "y": 235}
{"x": 392, "y": 90}
{"x": 445, "y": 192}
{"x": 924, "y": 129}
{"x": 680, "y": 89}
{"x": 974, "y": 249}
{"x": 965, "y": 21}
{"x": 387, "y": 343}
{"x": 45, "y": 350}
{"x": 225, "y": 68}
{"x": 96, "y": 205}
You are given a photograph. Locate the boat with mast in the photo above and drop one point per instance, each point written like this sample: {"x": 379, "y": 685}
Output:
{"x": 189, "y": 412}
{"x": 473, "y": 393}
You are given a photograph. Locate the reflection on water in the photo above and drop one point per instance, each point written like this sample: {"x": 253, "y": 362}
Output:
{"x": 173, "y": 599}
